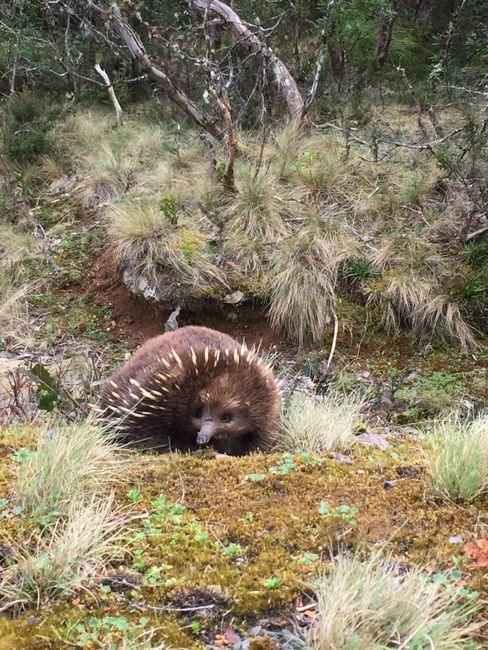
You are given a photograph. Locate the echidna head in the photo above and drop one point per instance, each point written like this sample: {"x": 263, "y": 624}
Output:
{"x": 224, "y": 420}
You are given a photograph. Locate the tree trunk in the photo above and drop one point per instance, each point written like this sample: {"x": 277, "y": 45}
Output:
{"x": 175, "y": 94}
{"x": 286, "y": 83}
{"x": 337, "y": 58}
{"x": 385, "y": 30}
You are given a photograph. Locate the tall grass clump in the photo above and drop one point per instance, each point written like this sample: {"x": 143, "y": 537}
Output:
{"x": 457, "y": 459}
{"x": 109, "y": 160}
{"x": 75, "y": 549}
{"x": 302, "y": 278}
{"x": 366, "y": 605}
{"x": 409, "y": 290}
{"x": 69, "y": 465}
{"x": 17, "y": 248}
{"x": 256, "y": 211}
{"x": 316, "y": 423}
{"x": 153, "y": 237}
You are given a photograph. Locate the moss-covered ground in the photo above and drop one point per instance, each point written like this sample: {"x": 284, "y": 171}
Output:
{"x": 212, "y": 542}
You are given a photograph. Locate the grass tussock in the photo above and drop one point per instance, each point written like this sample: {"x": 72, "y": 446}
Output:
{"x": 17, "y": 249}
{"x": 303, "y": 274}
{"x": 367, "y": 605}
{"x": 408, "y": 290}
{"x": 152, "y": 237}
{"x": 256, "y": 210}
{"x": 457, "y": 460}
{"x": 109, "y": 160}
{"x": 75, "y": 549}
{"x": 316, "y": 423}
{"x": 169, "y": 216}
{"x": 69, "y": 465}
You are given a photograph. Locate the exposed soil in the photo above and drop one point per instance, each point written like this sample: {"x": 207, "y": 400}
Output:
{"x": 136, "y": 320}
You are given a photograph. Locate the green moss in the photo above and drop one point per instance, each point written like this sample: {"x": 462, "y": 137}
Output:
{"x": 191, "y": 510}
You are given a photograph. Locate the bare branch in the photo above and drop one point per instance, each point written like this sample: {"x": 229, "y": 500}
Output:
{"x": 111, "y": 92}
{"x": 286, "y": 83}
{"x": 175, "y": 94}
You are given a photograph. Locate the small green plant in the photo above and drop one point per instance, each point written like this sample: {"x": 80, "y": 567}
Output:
{"x": 367, "y": 605}
{"x": 457, "y": 460}
{"x": 134, "y": 495}
{"x": 233, "y": 550}
{"x": 344, "y": 512}
{"x": 306, "y": 162}
{"x": 273, "y": 583}
{"x": 169, "y": 207}
{"x": 286, "y": 465}
{"x": 50, "y": 394}
{"x": 359, "y": 268}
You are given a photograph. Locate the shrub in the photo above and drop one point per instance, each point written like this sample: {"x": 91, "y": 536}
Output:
{"x": 315, "y": 423}
{"x": 25, "y": 108}
{"x": 367, "y": 605}
{"x": 25, "y": 147}
{"x": 457, "y": 460}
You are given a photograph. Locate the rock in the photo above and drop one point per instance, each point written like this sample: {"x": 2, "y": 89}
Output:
{"x": 234, "y": 298}
{"x": 172, "y": 322}
{"x": 371, "y": 439}
{"x": 342, "y": 458}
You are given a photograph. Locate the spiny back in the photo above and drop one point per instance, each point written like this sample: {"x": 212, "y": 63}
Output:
{"x": 172, "y": 377}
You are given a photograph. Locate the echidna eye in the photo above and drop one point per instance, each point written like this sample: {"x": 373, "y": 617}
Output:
{"x": 226, "y": 417}
{"x": 199, "y": 413}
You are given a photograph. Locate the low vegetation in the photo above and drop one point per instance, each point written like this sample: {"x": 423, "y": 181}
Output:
{"x": 291, "y": 237}
{"x": 317, "y": 423}
{"x": 372, "y": 603}
{"x": 70, "y": 464}
{"x": 55, "y": 565}
{"x": 457, "y": 460}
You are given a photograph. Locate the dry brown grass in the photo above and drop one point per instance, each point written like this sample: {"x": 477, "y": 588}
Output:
{"x": 74, "y": 550}
{"x": 142, "y": 236}
{"x": 317, "y": 423}
{"x": 367, "y": 604}
{"x": 256, "y": 211}
{"x": 302, "y": 276}
{"x": 409, "y": 291}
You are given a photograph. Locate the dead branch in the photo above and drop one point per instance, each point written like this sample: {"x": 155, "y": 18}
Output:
{"x": 416, "y": 100}
{"x": 175, "y": 94}
{"x": 111, "y": 92}
{"x": 286, "y": 83}
{"x": 476, "y": 234}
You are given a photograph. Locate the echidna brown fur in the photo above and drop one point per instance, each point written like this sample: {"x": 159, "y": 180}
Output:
{"x": 195, "y": 386}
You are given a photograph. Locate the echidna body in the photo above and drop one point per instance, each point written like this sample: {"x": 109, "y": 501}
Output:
{"x": 192, "y": 387}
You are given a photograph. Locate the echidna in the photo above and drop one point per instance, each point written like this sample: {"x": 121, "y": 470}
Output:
{"x": 192, "y": 387}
